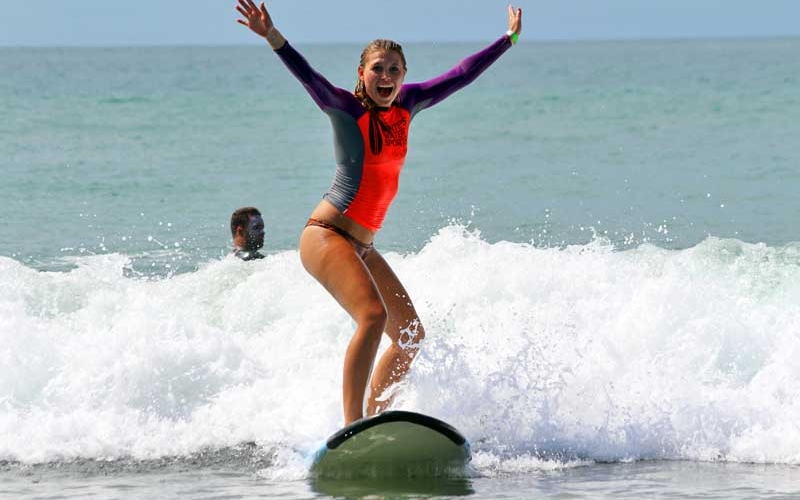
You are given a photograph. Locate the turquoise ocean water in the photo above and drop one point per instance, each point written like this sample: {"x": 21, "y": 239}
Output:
{"x": 602, "y": 240}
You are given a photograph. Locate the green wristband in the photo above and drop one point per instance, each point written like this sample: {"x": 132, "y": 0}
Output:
{"x": 513, "y": 36}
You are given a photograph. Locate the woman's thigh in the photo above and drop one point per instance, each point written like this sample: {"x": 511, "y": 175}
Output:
{"x": 332, "y": 261}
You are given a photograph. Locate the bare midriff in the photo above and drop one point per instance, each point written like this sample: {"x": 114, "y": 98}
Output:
{"x": 326, "y": 212}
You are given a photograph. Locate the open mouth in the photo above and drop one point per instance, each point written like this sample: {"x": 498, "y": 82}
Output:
{"x": 384, "y": 91}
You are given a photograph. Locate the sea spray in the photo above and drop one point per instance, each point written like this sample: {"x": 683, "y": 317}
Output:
{"x": 538, "y": 355}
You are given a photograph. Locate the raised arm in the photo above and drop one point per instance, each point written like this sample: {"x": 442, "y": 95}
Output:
{"x": 423, "y": 95}
{"x": 325, "y": 94}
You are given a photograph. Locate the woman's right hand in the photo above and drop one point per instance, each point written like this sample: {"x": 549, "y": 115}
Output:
{"x": 257, "y": 19}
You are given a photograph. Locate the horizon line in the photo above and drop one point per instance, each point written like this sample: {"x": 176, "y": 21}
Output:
{"x": 409, "y": 42}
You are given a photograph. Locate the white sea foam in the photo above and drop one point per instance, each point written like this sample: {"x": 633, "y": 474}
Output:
{"x": 540, "y": 356}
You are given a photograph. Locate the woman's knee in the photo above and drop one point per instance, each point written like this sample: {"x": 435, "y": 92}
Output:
{"x": 373, "y": 317}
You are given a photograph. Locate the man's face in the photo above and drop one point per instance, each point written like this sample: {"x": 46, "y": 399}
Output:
{"x": 254, "y": 233}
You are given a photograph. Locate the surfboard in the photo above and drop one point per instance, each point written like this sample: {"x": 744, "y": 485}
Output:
{"x": 393, "y": 444}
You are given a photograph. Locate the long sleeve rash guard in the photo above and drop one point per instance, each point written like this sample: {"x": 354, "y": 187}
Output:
{"x": 370, "y": 147}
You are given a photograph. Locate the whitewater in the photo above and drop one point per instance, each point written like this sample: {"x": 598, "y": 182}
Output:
{"x": 580, "y": 353}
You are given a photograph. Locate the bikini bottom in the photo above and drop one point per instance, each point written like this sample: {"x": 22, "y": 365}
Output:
{"x": 361, "y": 248}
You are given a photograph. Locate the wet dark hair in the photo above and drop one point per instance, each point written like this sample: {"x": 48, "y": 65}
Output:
{"x": 379, "y": 44}
{"x": 241, "y": 217}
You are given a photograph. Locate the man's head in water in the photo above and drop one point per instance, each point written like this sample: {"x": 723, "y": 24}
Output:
{"x": 247, "y": 230}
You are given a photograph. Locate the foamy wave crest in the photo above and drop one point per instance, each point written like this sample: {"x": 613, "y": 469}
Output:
{"x": 540, "y": 356}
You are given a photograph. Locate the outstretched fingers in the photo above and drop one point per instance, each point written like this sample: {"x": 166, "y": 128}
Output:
{"x": 515, "y": 19}
{"x": 244, "y": 9}
{"x": 255, "y": 17}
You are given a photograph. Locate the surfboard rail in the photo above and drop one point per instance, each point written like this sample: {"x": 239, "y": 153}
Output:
{"x": 396, "y": 416}
{"x": 393, "y": 443}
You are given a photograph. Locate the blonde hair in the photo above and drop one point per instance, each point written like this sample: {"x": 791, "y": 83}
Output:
{"x": 380, "y": 44}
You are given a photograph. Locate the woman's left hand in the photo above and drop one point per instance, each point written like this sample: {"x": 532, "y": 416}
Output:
{"x": 515, "y": 19}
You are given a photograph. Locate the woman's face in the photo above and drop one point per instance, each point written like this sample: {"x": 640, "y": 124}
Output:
{"x": 382, "y": 74}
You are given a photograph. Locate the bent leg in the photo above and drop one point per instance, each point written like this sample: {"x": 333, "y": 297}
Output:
{"x": 331, "y": 259}
{"x": 403, "y": 328}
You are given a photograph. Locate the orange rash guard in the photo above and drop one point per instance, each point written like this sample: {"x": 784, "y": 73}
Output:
{"x": 370, "y": 146}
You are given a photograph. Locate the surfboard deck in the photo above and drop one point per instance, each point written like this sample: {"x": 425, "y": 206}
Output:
{"x": 393, "y": 444}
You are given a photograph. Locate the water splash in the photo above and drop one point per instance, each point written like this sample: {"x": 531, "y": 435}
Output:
{"x": 542, "y": 357}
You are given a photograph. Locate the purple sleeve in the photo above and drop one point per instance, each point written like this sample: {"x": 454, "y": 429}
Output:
{"x": 418, "y": 96}
{"x": 325, "y": 94}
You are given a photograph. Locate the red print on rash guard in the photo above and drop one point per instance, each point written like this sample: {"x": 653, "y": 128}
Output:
{"x": 370, "y": 146}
